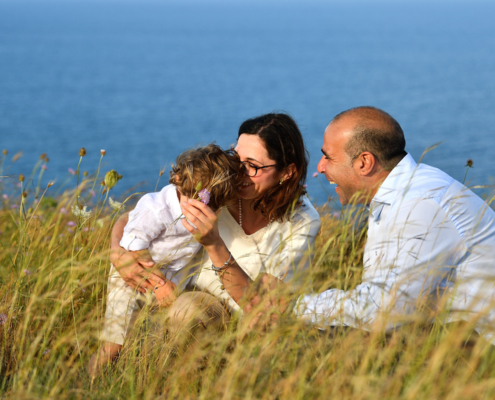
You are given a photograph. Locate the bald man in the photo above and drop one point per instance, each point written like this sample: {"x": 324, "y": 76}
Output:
{"x": 430, "y": 243}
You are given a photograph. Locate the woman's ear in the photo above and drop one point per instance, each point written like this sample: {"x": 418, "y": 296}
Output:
{"x": 289, "y": 171}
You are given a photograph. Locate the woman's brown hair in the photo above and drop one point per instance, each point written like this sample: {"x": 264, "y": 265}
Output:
{"x": 216, "y": 169}
{"x": 285, "y": 145}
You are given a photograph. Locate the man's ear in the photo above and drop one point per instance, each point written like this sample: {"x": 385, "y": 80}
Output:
{"x": 289, "y": 171}
{"x": 365, "y": 163}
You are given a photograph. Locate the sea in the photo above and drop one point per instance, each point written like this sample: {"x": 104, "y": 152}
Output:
{"x": 146, "y": 80}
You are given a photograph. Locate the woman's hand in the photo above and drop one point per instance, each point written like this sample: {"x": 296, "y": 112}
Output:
{"x": 268, "y": 291}
{"x": 136, "y": 269}
{"x": 205, "y": 221}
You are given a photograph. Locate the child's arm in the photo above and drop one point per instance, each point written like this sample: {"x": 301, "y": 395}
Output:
{"x": 135, "y": 267}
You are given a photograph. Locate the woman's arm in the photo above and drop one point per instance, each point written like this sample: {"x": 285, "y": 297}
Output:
{"x": 135, "y": 267}
{"x": 205, "y": 231}
{"x": 281, "y": 264}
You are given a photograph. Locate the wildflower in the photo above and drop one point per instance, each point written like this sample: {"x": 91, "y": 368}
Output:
{"x": 63, "y": 210}
{"x": 42, "y": 157}
{"x": 204, "y": 196}
{"x": 24, "y": 194}
{"x": 305, "y": 186}
{"x": 21, "y": 178}
{"x": 70, "y": 230}
{"x": 50, "y": 183}
{"x": 116, "y": 205}
{"x": 27, "y": 272}
{"x": 85, "y": 173}
{"x": 71, "y": 171}
{"x": 82, "y": 152}
{"x": 315, "y": 174}
{"x": 81, "y": 212}
{"x": 46, "y": 351}
{"x": 111, "y": 178}
{"x": 71, "y": 223}
{"x": 92, "y": 193}
{"x": 5, "y": 152}
{"x": 44, "y": 167}
{"x": 103, "y": 152}
{"x": 14, "y": 206}
{"x": 469, "y": 163}
{"x": 3, "y": 317}
{"x": 5, "y": 196}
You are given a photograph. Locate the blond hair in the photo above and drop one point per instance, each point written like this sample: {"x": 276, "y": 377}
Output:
{"x": 216, "y": 169}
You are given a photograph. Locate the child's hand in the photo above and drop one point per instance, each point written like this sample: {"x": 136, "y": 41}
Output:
{"x": 166, "y": 294}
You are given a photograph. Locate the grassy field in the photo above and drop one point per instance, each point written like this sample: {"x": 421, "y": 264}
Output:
{"x": 53, "y": 271}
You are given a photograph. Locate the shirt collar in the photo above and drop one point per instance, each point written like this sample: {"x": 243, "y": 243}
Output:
{"x": 395, "y": 182}
{"x": 174, "y": 203}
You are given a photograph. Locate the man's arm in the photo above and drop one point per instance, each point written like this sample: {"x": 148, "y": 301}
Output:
{"x": 405, "y": 265}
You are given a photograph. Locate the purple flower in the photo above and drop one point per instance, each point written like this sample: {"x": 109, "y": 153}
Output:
{"x": 70, "y": 230}
{"x": 305, "y": 186}
{"x": 46, "y": 352}
{"x": 27, "y": 272}
{"x": 63, "y": 210}
{"x": 14, "y": 206}
{"x": 5, "y": 196}
{"x": 315, "y": 174}
{"x": 3, "y": 319}
{"x": 71, "y": 171}
{"x": 44, "y": 167}
{"x": 92, "y": 193}
{"x": 204, "y": 196}
{"x": 71, "y": 223}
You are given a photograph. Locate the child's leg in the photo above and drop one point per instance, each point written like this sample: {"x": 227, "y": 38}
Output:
{"x": 123, "y": 305}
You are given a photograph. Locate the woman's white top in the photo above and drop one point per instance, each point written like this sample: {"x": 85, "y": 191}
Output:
{"x": 154, "y": 225}
{"x": 279, "y": 249}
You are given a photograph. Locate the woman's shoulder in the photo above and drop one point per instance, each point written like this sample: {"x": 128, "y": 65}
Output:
{"x": 306, "y": 211}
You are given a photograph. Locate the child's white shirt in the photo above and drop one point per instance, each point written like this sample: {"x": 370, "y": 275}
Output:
{"x": 151, "y": 226}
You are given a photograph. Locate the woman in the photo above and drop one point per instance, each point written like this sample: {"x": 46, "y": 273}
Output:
{"x": 269, "y": 230}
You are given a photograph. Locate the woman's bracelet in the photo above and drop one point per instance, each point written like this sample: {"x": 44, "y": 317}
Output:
{"x": 223, "y": 267}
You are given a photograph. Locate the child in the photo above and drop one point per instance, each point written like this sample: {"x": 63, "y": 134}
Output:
{"x": 208, "y": 174}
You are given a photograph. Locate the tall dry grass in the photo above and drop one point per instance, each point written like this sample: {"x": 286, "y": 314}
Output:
{"x": 53, "y": 271}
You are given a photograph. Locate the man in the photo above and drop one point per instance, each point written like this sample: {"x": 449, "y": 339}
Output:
{"x": 427, "y": 233}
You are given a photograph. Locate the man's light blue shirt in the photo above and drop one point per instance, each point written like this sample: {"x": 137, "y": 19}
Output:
{"x": 428, "y": 235}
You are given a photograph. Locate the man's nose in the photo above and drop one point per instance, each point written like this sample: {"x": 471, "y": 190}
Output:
{"x": 321, "y": 165}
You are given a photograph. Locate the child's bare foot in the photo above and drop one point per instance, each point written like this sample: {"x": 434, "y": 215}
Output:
{"x": 107, "y": 354}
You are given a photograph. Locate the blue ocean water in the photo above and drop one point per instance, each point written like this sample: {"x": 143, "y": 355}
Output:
{"x": 145, "y": 80}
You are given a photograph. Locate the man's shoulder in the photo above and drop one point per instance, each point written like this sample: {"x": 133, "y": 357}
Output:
{"x": 426, "y": 182}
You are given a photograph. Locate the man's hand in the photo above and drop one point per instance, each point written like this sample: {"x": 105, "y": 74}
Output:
{"x": 166, "y": 294}
{"x": 137, "y": 269}
{"x": 267, "y": 292}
